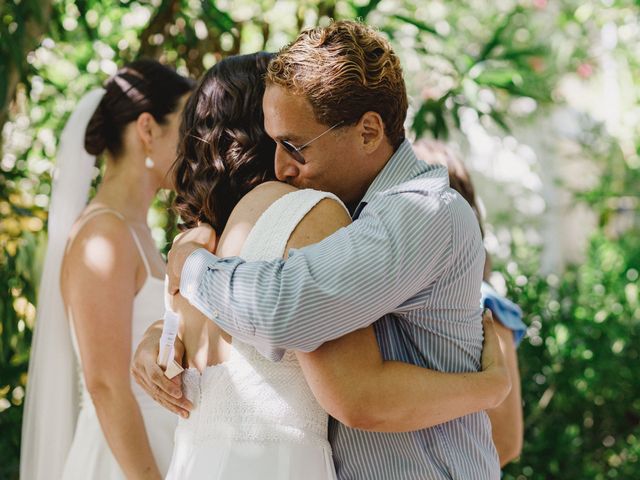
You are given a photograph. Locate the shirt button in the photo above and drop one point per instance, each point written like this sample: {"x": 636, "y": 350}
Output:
{"x": 215, "y": 314}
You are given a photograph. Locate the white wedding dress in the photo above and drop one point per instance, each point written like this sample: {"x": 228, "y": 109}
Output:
{"x": 90, "y": 456}
{"x": 253, "y": 418}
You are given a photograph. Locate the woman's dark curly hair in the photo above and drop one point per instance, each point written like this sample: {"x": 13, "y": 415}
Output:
{"x": 223, "y": 150}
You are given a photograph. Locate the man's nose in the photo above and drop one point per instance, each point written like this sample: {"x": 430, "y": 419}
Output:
{"x": 286, "y": 167}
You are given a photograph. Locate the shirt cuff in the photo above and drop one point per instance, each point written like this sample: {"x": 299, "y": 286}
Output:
{"x": 193, "y": 270}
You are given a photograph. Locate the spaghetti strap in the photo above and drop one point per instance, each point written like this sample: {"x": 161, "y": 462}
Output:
{"x": 97, "y": 211}
{"x": 131, "y": 230}
{"x": 141, "y": 250}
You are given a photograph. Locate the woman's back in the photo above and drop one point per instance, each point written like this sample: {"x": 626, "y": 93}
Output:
{"x": 248, "y": 402}
{"x": 90, "y": 452}
{"x": 147, "y": 297}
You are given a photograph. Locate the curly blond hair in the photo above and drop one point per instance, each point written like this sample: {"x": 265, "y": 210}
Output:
{"x": 345, "y": 70}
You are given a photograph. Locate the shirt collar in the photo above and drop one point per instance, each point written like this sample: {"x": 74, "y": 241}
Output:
{"x": 402, "y": 167}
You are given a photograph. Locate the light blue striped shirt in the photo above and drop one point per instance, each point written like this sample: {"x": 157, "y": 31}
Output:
{"x": 412, "y": 258}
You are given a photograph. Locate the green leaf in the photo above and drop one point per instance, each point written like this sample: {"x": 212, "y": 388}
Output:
{"x": 499, "y": 77}
{"x": 431, "y": 117}
{"x": 417, "y": 23}
{"x": 363, "y": 11}
{"x": 518, "y": 53}
{"x": 500, "y": 120}
{"x": 497, "y": 34}
{"x": 222, "y": 20}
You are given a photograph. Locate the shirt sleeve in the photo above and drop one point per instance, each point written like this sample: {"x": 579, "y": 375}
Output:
{"x": 399, "y": 245}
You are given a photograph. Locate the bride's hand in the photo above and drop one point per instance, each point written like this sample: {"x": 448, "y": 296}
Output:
{"x": 493, "y": 361}
{"x": 202, "y": 236}
{"x": 148, "y": 374}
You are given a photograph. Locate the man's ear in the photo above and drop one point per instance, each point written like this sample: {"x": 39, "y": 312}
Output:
{"x": 371, "y": 129}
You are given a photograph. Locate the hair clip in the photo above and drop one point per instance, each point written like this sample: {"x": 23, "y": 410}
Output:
{"x": 198, "y": 138}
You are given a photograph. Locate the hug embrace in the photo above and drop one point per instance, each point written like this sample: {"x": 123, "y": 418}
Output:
{"x": 327, "y": 283}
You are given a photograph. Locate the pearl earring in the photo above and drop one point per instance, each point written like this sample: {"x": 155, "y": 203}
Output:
{"x": 148, "y": 162}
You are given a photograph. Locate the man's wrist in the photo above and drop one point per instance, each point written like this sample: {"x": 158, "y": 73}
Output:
{"x": 499, "y": 385}
{"x": 193, "y": 269}
{"x": 184, "y": 252}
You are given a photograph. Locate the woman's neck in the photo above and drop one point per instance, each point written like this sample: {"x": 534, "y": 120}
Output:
{"x": 128, "y": 190}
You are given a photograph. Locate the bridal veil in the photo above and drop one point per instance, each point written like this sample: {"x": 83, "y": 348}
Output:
{"x": 51, "y": 404}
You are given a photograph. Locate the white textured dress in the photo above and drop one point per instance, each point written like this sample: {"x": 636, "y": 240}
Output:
{"x": 253, "y": 418}
{"x": 90, "y": 456}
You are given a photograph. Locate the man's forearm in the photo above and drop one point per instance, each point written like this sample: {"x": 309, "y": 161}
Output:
{"x": 287, "y": 316}
{"x": 354, "y": 385}
{"x": 406, "y": 397}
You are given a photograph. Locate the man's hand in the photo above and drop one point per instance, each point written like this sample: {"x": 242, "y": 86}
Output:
{"x": 151, "y": 378}
{"x": 493, "y": 361}
{"x": 202, "y": 236}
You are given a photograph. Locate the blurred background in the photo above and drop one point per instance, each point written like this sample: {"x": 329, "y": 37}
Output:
{"x": 539, "y": 98}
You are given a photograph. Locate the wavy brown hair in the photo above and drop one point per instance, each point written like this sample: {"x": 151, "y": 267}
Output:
{"x": 345, "y": 70}
{"x": 223, "y": 151}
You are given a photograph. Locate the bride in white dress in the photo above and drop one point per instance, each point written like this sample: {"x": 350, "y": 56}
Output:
{"x": 253, "y": 418}
{"x": 84, "y": 417}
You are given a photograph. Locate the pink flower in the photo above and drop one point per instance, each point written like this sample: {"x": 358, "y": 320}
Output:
{"x": 585, "y": 70}
{"x": 540, "y": 4}
{"x": 537, "y": 64}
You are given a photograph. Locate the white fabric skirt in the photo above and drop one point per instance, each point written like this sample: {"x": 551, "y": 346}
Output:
{"x": 244, "y": 427}
{"x": 91, "y": 457}
{"x": 247, "y": 460}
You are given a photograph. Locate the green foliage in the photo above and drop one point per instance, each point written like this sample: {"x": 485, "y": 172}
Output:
{"x": 18, "y": 280}
{"x": 580, "y": 387}
{"x": 499, "y": 62}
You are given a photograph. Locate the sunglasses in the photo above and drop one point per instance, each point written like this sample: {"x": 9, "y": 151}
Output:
{"x": 296, "y": 152}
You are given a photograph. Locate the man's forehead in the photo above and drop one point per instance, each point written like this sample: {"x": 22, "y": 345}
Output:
{"x": 279, "y": 96}
{"x": 286, "y": 115}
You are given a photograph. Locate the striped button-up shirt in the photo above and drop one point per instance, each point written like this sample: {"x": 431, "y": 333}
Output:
{"x": 413, "y": 259}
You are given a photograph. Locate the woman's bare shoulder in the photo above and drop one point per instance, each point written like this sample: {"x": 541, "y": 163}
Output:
{"x": 324, "y": 219}
{"x": 99, "y": 249}
{"x": 97, "y": 240}
{"x": 327, "y": 216}
{"x": 246, "y": 213}
{"x": 261, "y": 198}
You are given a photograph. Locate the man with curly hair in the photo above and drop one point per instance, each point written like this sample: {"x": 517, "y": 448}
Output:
{"x": 411, "y": 262}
